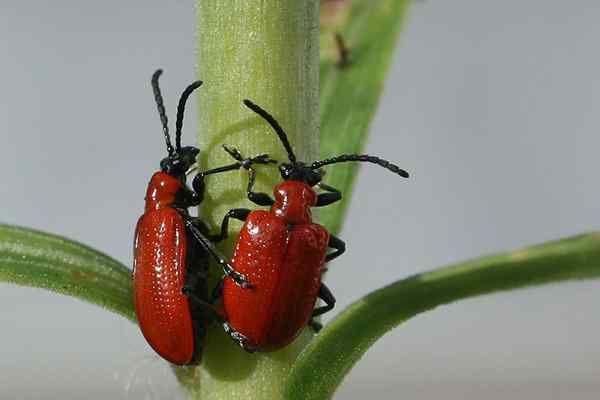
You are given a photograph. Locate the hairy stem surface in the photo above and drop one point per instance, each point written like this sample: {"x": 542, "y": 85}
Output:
{"x": 265, "y": 51}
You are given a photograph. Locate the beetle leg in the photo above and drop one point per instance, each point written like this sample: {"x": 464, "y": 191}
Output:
{"x": 228, "y": 269}
{"x": 325, "y": 199}
{"x": 195, "y": 280}
{"x": 198, "y": 183}
{"x": 241, "y": 340}
{"x": 335, "y": 243}
{"x": 217, "y": 292}
{"x": 325, "y": 295}
{"x": 224, "y": 168}
{"x": 262, "y": 199}
{"x": 237, "y": 213}
{"x": 208, "y": 310}
{"x": 246, "y": 163}
{"x": 186, "y": 198}
{"x": 316, "y": 326}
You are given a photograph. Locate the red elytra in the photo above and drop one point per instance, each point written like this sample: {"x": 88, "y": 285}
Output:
{"x": 282, "y": 252}
{"x": 159, "y": 274}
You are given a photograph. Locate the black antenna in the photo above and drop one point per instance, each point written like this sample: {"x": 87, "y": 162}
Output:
{"x": 276, "y": 127}
{"x": 180, "y": 109}
{"x": 361, "y": 157}
{"x": 161, "y": 109}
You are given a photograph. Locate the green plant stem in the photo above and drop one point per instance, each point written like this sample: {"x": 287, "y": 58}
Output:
{"x": 321, "y": 367}
{"x": 266, "y": 51}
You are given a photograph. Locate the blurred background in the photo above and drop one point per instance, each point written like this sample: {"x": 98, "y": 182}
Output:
{"x": 492, "y": 107}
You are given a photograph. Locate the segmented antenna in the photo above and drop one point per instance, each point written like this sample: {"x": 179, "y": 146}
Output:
{"x": 363, "y": 158}
{"x": 276, "y": 127}
{"x": 180, "y": 110}
{"x": 161, "y": 109}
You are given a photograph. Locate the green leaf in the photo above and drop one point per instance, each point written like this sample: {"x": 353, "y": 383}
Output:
{"x": 349, "y": 95}
{"x": 37, "y": 259}
{"x": 321, "y": 367}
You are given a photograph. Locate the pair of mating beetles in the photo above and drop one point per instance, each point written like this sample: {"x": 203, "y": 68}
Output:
{"x": 273, "y": 280}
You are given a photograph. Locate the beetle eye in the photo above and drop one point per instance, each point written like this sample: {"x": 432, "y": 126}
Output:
{"x": 313, "y": 177}
{"x": 166, "y": 165}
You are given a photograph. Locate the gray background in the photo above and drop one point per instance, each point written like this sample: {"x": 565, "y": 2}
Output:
{"x": 491, "y": 105}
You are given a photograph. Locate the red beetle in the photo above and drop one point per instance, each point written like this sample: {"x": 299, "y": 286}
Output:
{"x": 172, "y": 250}
{"x": 282, "y": 252}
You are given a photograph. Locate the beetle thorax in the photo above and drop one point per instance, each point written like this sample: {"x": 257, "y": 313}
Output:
{"x": 293, "y": 200}
{"x": 161, "y": 191}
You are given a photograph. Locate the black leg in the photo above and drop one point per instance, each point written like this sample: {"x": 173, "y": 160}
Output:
{"x": 207, "y": 310}
{"x": 337, "y": 244}
{"x": 325, "y": 295}
{"x": 224, "y": 168}
{"x": 246, "y": 163}
{"x": 228, "y": 269}
{"x": 325, "y": 199}
{"x": 186, "y": 198}
{"x": 199, "y": 186}
{"x": 262, "y": 199}
{"x": 195, "y": 280}
{"x": 237, "y": 213}
{"x": 316, "y": 326}
{"x": 217, "y": 292}
{"x": 238, "y": 337}
{"x": 198, "y": 183}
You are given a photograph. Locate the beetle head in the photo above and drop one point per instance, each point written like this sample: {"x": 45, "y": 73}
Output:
{"x": 299, "y": 171}
{"x": 180, "y": 162}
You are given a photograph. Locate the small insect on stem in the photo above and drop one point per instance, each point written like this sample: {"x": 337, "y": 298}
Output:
{"x": 343, "y": 51}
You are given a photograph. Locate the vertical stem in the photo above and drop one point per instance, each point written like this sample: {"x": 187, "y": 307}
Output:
{"x": 266, "y": 51}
